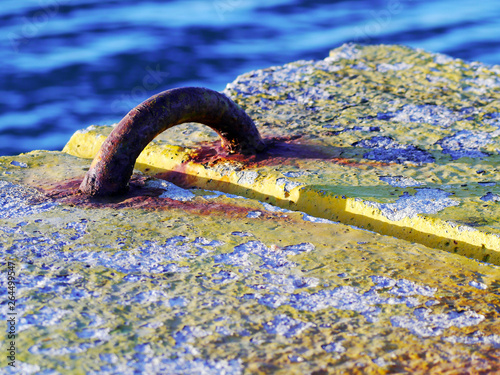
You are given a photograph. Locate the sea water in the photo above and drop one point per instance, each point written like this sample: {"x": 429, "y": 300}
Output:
{"x": 67, "y": 64}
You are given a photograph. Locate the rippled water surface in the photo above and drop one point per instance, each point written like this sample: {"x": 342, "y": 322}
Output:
{"x": 67, "y": 64}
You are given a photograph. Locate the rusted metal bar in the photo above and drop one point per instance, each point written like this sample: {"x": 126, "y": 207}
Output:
{"x": 113, "y": 165}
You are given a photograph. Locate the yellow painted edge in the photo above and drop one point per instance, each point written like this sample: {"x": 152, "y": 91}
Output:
{"x": 429, "y": 231}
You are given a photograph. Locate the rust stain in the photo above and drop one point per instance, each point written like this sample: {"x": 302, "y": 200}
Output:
{"x": 140, "y": 196}
{"x": 280, "y": 151}
{"x": 113, "y": 165}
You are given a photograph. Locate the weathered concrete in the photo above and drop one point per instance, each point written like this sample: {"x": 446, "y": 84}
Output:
{"x": 401, "y": 142}
{"x": 171, "y": 280}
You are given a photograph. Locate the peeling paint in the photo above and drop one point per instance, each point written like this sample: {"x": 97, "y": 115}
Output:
{"x": 426, "y": 324}
{"x": 425, "y": 201}
{"x": 465, "y": 144}
{"x": 171, "y": 191}
{"x": 400, "y": 181}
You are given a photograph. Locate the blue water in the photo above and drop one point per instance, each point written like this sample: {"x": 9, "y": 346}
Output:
{"x": 67, "y": 64}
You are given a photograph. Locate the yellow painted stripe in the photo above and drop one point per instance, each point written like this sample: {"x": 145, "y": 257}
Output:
{"x": 313, "y": 200}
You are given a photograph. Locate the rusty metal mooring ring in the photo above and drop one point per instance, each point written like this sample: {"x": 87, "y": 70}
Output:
{"x": 113, "y": 165}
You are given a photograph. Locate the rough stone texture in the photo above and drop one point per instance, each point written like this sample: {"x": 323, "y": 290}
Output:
{"x": 190, "y": 283}
{"x": 338, "y": 129}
